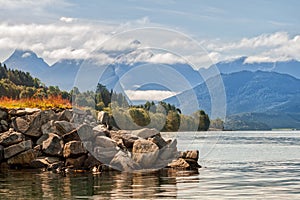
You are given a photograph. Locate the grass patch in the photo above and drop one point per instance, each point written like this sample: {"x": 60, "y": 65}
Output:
{"x": 44, "y": 104}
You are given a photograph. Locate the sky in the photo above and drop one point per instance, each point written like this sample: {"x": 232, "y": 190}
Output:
{"x": 263, "y": 30}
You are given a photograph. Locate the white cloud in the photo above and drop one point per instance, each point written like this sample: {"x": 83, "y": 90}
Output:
{"x": 54, "y": 41}
{"x": 25, "y": 55}
{"x": 67, "y": 19}
{"x": 24, "y": 4}
{"x": 155, "y": 95}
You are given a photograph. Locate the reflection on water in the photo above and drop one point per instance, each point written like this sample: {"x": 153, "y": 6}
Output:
{"x": 31, "y": 184}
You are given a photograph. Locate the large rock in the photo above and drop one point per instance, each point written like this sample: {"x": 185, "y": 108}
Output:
{"x": 3, "y": 113}
{"x": 91, "y": 162}
{"x": 53, "y": 146}
{"x": 65, "y": 115}
{"x": 64, "y": 127}
{"x": 169, "y": 152}
{"x": 105, "y": 155}
{"x": 9, "y": 138}
{"x": 1, "y": 153}
{"x": 103, "y": 117}
{"x": 181, "y": 163}
{"x": 123, "y": 162}
{"x": 105, "y": 142}
{"x": 145, "y": 153}
{"x": 145, "y": 133}
{"x": 73, "y": 149}
{"x": 85, "y": 132}
{"x": 44, "y": 162}
{"x": 42, "y": 139}
{"x": 30, "y": 125}
{"x": 23, "y": 159}
{"x": 71, "y": 136}
{"x": 76, "y": 163}
{"x": 129, "y": 139}
{"x": 48, "y": 127}
{"x": 158, "y": 140}
{"x": 193, "y": 154}
{"x": 17, "y": 148}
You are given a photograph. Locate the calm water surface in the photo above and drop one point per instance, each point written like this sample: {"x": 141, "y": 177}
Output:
{"x": 241, "y": 165}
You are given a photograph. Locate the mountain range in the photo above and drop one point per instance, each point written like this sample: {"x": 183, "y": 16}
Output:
{"x": 255, "y": 92}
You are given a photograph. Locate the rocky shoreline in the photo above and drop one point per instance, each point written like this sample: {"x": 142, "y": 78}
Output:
{"x": 63, "y": 140}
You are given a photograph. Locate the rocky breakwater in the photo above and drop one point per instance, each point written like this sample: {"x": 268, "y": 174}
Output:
{"x": 74, "y": 139}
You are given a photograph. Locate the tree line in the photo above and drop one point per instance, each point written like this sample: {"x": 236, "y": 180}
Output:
{"x": 17, "y": 84}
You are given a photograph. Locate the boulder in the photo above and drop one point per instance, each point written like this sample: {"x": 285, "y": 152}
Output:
{"x": 145, "y": 133}
{"x": 181, "y": 163}
{"x": 90, "y": 162}
{"x": 44, "y": 162}
{"x": 1, "y": 153}
{"x": 42, "y": 139}
{"x": 194, "y": 155}
{"x": 123, "y": 162}
{"x": 30, "y": 125}
{"x": 71, "y": 136}
{"x": 103, "y": 117}
{"x": 145, "y": 153}
{"x": 48, "y": 127}
{"x": 76, "y": 163}
{"x": 65, "y": 115}
{"x": 23, "y": 159}
{"x": 9, "y": 138}
{"x": 73, "y": 149}
{"x": 85, "y": 132}
{"x": 158, "y": 140}
{"x": 129, "y": 139}
{"x": 17, "y": 148}
{"x": 53, "y": 146}
{"x": 105, "y": 142}
{"x": 105, "y": 155}
{"x": 169, "y": 152}
{"x": 64, "y": 127}
{"x": 39, "y": 163}
{"x": 3, "y": 125}
{"x": 101, "y": 130}
{"x": 3, "y": 113}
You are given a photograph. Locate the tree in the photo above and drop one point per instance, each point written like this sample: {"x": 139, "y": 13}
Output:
{"x": 204, "y": 121}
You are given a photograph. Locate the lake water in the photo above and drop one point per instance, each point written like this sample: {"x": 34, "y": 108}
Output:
{"x": 241, "y": 165}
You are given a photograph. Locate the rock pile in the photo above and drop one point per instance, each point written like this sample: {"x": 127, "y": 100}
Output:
{"x": 74, "y": 139}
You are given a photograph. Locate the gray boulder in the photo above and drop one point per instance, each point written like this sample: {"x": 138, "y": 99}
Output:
{"x": 105, "y": 142}
{"x": 17, "y": 148}
{"x": 145, "y": 153}
{"x": 103, "y": 117}
{"x": 85, "y": 132}
{"x": 53, "y": 146}
{"x": 122, "y": 161}
{"x": 9, "y": 138}
{"x": 145, "y": 133}
{"x": 23, "y": 159}
{"x": 64, "y": 127}
{"x": 73, "y": 149}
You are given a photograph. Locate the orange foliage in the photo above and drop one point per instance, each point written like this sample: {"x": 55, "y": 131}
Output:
{"x": 45, "y": 103}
